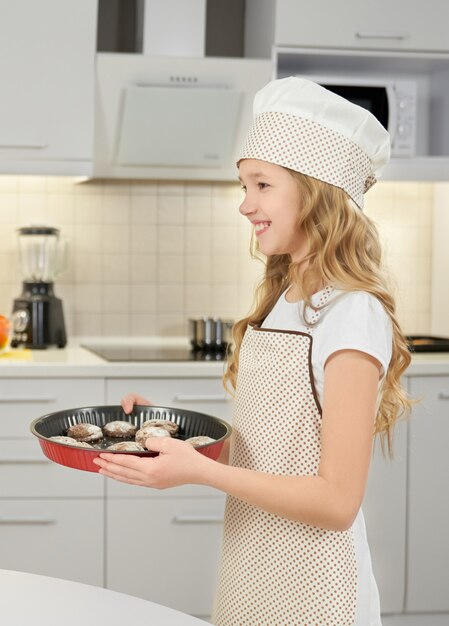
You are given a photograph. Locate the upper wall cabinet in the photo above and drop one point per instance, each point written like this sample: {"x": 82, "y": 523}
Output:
{"x": 47, "y": 64}
{"x": 363, "y": 24}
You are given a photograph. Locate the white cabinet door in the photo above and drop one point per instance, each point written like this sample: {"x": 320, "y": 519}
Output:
{"x": 24, "y": 470}
{"x": 363, "y": 24}
{"x": 61, "y": 538}
{"x": 428, "y": 545}
{"x": 24, "y": 399}
{"x": 166, "y": 550}
{"x": 26, "y": 473}
{"x": 205, "y": 395}
{"x": 47, "y": 61}
{"x": 385, "y": 513}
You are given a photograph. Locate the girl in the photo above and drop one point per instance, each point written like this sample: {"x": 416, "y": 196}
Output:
{"x": 316, "y": 371}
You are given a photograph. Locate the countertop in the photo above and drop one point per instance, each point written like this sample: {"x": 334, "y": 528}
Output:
{"x": 32, "y": 600}
{"x": 74, "y": 361}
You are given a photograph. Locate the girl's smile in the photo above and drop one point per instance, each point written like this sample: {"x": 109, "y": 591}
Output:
{"x": 261, "y": 227}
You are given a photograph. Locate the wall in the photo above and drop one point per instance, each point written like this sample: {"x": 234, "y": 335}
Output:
{"x": 403, "y": 213}
{"x": 144, "y": 256}
{"x": 439, "y": 323}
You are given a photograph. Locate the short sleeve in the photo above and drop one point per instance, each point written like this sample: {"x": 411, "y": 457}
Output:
{"x": 356, "y": 320}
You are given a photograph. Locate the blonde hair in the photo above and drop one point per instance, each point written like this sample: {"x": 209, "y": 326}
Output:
{"x": 343, "y": 251}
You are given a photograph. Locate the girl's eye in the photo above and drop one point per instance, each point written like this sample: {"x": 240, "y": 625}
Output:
{"x": 263, "y": 185}
{"x": 243, "y": 188}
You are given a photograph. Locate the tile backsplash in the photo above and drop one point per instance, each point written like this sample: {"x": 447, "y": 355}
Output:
{"x": 145, "y": 256}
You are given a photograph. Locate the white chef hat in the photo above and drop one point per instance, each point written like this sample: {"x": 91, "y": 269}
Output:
{"x": 307, "y": 128}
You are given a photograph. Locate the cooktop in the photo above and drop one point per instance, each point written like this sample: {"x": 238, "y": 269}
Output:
{"x": 151, "y": 353}
{"x": 136, "y": 353}
{"x": 427, "y": 343}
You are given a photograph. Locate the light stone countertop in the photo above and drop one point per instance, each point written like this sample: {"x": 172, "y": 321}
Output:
{"x": 74, "y": 361}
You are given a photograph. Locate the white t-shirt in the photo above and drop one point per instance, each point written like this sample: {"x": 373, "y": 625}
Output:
{"x": 352, "y": 320}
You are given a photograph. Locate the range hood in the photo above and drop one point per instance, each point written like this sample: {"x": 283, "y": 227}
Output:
{"x": 173, "y": 126}
{"x": 173, "y": 118}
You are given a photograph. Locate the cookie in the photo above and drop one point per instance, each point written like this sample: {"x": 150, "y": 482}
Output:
{"x": 85, "y": 432}
{"x": 61, "y": 439}
{"x": 170, "y": 426}
{"x": 126, "y": 446}
{"x": 201, "y": 440}
{"x": 70, "y": 441}
{"x": 119, "y": 429}
{"x": 150, "y": 431}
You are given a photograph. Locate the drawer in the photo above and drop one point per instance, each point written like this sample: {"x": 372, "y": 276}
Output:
{"x": 61, "y": 538}
{"x": 24, "y": 399}
{"x": 26, "y": 473}
{"x": 152, "y": 545}
{"x": 205, "y": 395}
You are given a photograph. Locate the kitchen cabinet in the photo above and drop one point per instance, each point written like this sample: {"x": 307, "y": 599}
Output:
{"x": 383, "y": 26}
{"x": 385, "y": 510}
{"x": 51, "y": 517}
{"x": 428, "y": 506}
{"x": 47, "y": 64}
{"x": 178, "y": 529}
{"x": 166, "y": 550}
{"x": 53, "y": 537}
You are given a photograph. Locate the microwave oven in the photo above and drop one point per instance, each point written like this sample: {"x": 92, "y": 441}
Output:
{"x": 391, "y": 101}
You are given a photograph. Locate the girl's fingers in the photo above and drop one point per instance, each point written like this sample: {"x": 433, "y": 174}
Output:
{"x": 157, "y": 444}
{"x": 121, "y": 465}
{"x": 122, "y": 479}
{"x": 127, "y": 405}
{"x": 131, "y": 399}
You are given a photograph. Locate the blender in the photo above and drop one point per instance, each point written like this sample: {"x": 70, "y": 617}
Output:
{"x": 37, "y": 318}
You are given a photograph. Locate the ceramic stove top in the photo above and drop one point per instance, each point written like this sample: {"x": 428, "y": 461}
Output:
{"x": 152, "y": 353}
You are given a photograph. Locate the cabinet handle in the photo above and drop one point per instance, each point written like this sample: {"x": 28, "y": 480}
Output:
{"x": 180, "y": 397}
{"x": 443, "y": 396}
{"x": 368, "y": 34}
{"x": 198, "y": 519}
{"x": 5, "y": 399}
{"x": 45, "y": 519}
{"x": 24, "y": 146}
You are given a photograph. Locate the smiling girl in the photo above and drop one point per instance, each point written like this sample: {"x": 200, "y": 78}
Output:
{"x": 316, "y": 372}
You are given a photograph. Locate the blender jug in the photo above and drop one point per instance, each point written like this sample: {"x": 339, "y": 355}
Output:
{"x": 42, "y": 255}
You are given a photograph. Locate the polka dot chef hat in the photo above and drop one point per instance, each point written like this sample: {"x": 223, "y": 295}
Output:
{"x": 300, "y": 125}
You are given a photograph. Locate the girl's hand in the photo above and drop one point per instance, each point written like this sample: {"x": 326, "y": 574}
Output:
{"x": 178, "y": 463}
{"x": 131, "y": 399}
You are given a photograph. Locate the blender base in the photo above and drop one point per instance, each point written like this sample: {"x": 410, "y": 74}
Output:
{"x": 38, "y": 318}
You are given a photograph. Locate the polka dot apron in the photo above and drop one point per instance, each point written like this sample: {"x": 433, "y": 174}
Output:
{"x": 276, "y": 571}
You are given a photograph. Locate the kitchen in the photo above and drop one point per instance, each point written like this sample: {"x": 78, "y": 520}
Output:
{"x": 146, "y": 254}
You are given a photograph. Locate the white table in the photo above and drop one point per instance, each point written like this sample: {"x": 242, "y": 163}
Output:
{"x": 32, "y": 600}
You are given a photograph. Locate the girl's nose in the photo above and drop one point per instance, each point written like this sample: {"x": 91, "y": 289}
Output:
{"x": 247, "y": 206}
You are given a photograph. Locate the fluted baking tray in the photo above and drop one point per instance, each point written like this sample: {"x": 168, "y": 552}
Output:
{"x": 191, "y": 424}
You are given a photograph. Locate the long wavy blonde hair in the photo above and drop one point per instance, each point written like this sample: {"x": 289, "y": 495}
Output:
{"x": 343, "y": 251}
